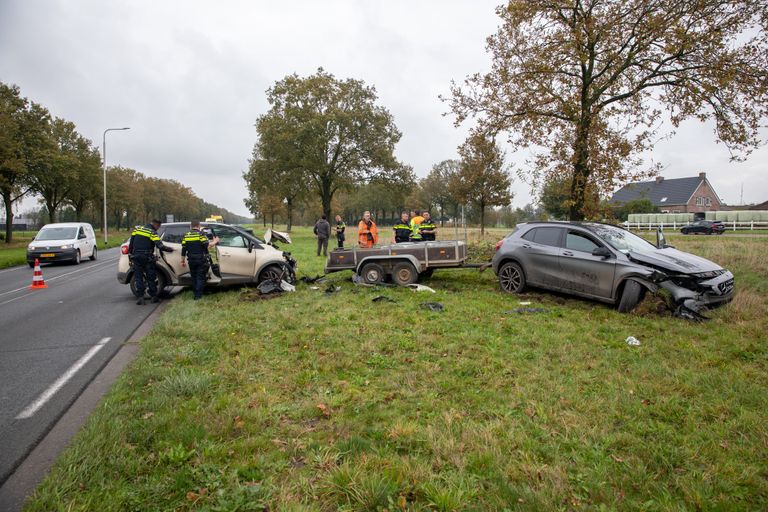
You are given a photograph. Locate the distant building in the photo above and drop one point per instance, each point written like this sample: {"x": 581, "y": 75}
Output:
{"x": 677, "y": 195}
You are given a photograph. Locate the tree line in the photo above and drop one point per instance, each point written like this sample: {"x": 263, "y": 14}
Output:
{"x": 326, "y": 144}
{"x": 44, "y": 155}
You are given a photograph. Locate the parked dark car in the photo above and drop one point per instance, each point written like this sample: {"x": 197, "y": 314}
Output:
{"x": 707, "y": 227}
{"x": 609, "y": 264}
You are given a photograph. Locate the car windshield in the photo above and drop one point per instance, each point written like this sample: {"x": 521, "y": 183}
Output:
{"x": 621, "y": 239}
{"x": 56, "y": 234}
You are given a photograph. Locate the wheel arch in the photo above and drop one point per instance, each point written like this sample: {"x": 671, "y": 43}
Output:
{"x": 648, "y": 285}
{"x": 388, "y": 262}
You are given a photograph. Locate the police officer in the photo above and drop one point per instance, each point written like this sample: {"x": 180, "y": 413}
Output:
{"x": 427, "y": 228}
{"x": 402, "y": 229}
{"x": 141, "y": 252}
{"x": 194, "y": 246}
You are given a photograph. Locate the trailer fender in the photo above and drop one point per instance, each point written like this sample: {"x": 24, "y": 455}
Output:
{"x": 388, "y": 261}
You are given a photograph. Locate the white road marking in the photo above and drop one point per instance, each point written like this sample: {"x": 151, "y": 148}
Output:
{"x": 13, "y": 269}
{"x": 90, "y": 267}
{"x": 35, "y": 406}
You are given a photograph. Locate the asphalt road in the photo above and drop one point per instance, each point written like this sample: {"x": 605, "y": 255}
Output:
{"x": 54, "y": 341}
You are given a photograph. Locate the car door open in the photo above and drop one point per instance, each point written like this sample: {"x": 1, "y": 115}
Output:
{"x": 237, "y": 259}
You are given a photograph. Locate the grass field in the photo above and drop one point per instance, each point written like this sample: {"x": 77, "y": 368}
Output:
{"x": 15, "y": 253}
{"x": 330, "y": 401}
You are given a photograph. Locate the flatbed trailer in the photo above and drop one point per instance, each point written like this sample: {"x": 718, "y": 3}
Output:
{"x": 403, "y": 263}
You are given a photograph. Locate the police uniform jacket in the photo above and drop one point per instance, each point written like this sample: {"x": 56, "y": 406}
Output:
{"x": 144, "y": 239}
{"x": 194, "y": 245}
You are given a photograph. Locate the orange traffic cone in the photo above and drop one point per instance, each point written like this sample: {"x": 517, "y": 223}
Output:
{"x": 37, "y": 279}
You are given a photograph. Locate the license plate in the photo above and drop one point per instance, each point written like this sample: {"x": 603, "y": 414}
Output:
{"x": 48, "y": 255}
{"x": 726, "y": 287}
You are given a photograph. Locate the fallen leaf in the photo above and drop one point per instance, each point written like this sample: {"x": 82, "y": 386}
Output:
{"x": 239, "y": 423}
{"x": 324, "y": 409}
{"x": 617, "y": 459}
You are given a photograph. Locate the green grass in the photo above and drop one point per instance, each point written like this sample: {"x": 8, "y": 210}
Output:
{"x": 15, "y": 253}
{"x": 315, "y": 401}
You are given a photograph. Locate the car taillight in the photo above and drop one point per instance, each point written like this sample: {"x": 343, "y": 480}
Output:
{"x": 499, "y": 244}
{"x": 124, "y": 249}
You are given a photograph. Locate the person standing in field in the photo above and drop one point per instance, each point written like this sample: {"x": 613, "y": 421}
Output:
{"x": 427, "y": 228}
{"x": 367, "y": 232}
{"x": 323, "y": 232}
{"x": 402, "y": 229}
{"x": 416, "y": 221}
{"x": 340, "y": 228}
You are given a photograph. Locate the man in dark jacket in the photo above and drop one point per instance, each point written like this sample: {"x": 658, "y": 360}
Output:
{"x": 340, "y": 228}
{"x": 323, "y": 232}
{"x": 141, "y": 253}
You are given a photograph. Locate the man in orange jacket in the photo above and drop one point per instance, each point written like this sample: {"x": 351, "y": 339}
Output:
{"x": 367, "y": 232}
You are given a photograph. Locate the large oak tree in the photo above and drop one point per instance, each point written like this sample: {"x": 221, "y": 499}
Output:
{"x": 584, "y": 83}
{"x": 328, "y": 132}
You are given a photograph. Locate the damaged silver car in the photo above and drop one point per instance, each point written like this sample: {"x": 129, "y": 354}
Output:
{"x": 609, "y": 264}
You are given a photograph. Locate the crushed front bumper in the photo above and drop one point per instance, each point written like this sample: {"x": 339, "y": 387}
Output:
{"x": 701, "y": 295}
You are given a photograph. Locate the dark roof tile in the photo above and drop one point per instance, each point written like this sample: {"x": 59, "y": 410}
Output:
{"x": 675, "y": 190}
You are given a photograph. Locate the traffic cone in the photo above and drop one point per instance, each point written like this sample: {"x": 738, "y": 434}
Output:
{"x": 37, "y": 279}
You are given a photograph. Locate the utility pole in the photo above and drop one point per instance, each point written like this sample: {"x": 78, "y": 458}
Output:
{"x": 104, "y": 165}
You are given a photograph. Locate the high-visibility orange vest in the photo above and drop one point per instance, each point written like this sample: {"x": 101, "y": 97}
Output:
{"x": 367, "y": 236}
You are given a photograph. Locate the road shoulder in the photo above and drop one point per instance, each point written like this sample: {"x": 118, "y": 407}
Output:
{"x": 33, "y": 470}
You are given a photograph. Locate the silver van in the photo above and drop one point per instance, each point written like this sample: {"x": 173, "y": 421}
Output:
{"x": 63, "y": 241}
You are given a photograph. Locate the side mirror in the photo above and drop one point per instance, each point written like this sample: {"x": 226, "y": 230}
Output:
{"x": 603, "y": 252}
{"x": 250, "y": 246}
{"x": 81, "y": 237}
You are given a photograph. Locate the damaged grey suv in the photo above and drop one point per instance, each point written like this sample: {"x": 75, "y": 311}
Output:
{"x": 609, "y": 264}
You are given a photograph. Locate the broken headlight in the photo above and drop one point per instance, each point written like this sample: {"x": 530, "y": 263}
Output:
{"x": 709, "y": 275}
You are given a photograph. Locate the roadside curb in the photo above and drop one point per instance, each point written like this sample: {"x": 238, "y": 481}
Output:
{"x": 28, "y": 475}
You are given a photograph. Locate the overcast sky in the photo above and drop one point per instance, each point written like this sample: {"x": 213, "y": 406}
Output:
{"x": 189, "y": 78}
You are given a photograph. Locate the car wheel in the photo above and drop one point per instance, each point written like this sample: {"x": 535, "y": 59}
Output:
{"x": 93, "y": 254}
{"x": 684, "y": 231}
{"x": 511, "y": 278}
{"x": 76, "y": 260}
{"x": 372, "y": 273}
{"x": 404, "y": 273}
{"x": 269, "y": 273}
{"x": 630, "y": 296}
{"x": 162, "y": 285}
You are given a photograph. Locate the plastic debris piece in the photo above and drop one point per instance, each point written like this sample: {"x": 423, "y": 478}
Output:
{"x": 269, "y": 286}
{"x": 421, "y": 288}
{"x": 633, "y": 341}
{"x": 435, "y": 307}
{"x": 520, "y": 311}
{"x": 332, "y": 289}
{"x": 525, "y": 303}
{"x": 287, "y": 287}
{"x": 311, "y": 280}
{"x": 382, "y": 298}
{"x": 314, "y": 287}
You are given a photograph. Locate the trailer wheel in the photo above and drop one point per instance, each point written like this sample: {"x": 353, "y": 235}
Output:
{"x": 372, "y": 273}
{"x": 404, "y": 274}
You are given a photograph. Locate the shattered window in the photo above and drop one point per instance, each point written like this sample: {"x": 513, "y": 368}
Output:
{"x": 621, "y": 239}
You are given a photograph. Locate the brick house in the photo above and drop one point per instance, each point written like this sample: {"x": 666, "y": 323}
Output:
{"x": 676, "y": 195}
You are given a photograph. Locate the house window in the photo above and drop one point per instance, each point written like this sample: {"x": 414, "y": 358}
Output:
{"x": 709, "y": 201}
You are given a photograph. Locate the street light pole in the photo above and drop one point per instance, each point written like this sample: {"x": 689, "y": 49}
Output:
{"x": 104, "y": 164}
